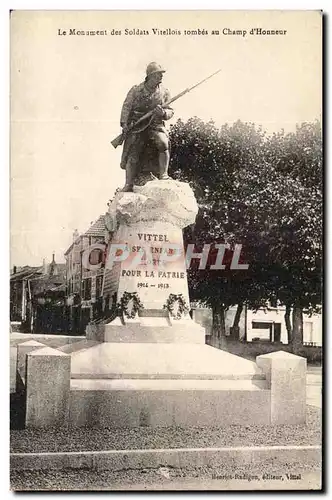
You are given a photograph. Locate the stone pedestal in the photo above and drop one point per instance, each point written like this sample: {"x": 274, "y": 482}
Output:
{"x": 146, "y": 258}
{"x": 165, "y": 384}
{"x": 147, "y": 255}
{"x": 148, "y": 329}
{"x": 286, "y": 377}
{"x": 47, "y": 388}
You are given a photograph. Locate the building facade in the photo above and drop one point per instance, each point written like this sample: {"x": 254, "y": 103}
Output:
{"x": 20, "y": 292}
{"x": 37, "y": 298}
{"x": 267, "y": 325}
{"x": 85, "y": 287}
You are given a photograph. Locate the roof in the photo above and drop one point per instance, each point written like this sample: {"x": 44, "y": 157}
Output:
{"x": 70, "y": 247}
{"x": 26, "y": 272}
{"x": 45, "y": 283}
{"x": 50, "y": 287}
{"x": 58, "y": 269}
{"x": 61, "y": 266}
{"x": 59, "y": 288}
{"x": 98, "y": 228}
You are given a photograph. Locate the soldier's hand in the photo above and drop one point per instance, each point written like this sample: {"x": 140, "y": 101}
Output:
{"x": 125, "y": 129}
{"x": 159, "y": 111}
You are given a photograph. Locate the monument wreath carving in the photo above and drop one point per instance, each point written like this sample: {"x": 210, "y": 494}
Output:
{"x": 124, "y": 305}
{"x": 179, "y": 300}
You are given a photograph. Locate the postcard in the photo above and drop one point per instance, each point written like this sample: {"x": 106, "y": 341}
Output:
{"x": 166, "y": 250}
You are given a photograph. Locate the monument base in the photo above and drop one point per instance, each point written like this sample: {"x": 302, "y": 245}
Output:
{"x": 166, "y": 403}
{"x": 165, "y": 384}
{"x": 132, "y": 384}
{"x": 159, "y": 329}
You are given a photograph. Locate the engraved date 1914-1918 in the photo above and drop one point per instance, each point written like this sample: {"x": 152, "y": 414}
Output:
{"x": 146, "y": 285}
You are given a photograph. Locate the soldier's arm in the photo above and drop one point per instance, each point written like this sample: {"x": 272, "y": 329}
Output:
{"x": 126, "y": 107}
{"x": 168, "y": 111}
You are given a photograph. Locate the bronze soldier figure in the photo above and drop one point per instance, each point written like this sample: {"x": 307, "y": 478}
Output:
{"x": 151, "y": 133}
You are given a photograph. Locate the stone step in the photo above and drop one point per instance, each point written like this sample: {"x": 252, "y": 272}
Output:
{"x": 160, "y": 403}
{"x": 153, "y": 313}
{"x": 161, "y": 361}
{"x": 167, "y": 384}
{"x": 168, "y": 376}
{"x": 158, "y": 328}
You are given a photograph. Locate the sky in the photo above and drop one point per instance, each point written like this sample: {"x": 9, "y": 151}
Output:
{"x": 67, "y": 93}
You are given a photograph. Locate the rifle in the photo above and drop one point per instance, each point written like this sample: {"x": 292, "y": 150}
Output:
{"x": 120, "y": 138}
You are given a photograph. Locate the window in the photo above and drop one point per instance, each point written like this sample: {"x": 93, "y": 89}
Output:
{"x": 99, "y": 285}
{"x": 277, "y": 332}
{"x": 308, "y": 331}
{"x": 86, "y": 289}
{"x": 261, "y": 325}
{"x": 96, "y": 256}
{"x": 76, "y": 255}
{"x": 262, "y": 330}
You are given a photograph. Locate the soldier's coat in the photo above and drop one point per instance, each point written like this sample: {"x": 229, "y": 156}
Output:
{"x": 139, "y": 101}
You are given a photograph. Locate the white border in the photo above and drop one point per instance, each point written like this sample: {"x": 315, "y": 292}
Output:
{"x": 4, "y": 113}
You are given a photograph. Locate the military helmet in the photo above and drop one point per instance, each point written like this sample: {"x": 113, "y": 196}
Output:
{"x": 154, "y": 67}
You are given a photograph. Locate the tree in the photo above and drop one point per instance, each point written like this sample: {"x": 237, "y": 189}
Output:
{"x": 246, "y": 195}
{"x": 208, "y": 159}
{"x": 298, "y": 154}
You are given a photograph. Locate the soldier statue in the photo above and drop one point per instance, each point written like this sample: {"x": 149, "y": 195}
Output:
{"x": 149, "y": 140}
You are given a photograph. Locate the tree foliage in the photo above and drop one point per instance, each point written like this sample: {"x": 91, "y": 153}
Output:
{"x": 264, "y": 192}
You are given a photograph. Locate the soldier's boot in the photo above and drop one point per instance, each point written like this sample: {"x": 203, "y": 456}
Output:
{"x": 128, "y": 188}
{"x": 163, "y": 165}
{"x": 129, "y": 185}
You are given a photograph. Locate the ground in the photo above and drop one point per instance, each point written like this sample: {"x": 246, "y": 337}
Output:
{"x": 169, "y": 479}
{"x": 275, "y": 474}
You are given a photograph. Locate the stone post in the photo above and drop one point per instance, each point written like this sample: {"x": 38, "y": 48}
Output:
{"x": 47, "y": 388}
{"x": 286, "y": 376}
{"x": 22, "y": 351}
